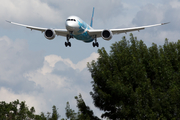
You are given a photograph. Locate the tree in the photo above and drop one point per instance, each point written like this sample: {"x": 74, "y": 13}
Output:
{"x": 16, "y": 110}
{"x": 137, "y": 82}
{"x": 20, "y": 111}
{"x": 55, "y": 114}
{"x": 84, "y": 112}
{"x": 70, "y": 114}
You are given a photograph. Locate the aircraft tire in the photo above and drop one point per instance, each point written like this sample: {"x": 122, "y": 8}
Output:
{"x": 93, "y": 44}
{"x": 69, "y": 44}
{"x": 97, "y": 44}
{"x": 66, "y": 44}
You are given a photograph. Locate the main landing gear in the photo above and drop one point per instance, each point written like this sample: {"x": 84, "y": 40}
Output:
{"x": 95, "y": 43}
{"x": 68, "y": 43}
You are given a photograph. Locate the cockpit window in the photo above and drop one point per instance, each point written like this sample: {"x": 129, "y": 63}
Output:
{"x": 70, "y": 20}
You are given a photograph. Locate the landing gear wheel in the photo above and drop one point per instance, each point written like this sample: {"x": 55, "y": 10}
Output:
{"x": 95, "y": 44}
{"x": 67, "y": 44}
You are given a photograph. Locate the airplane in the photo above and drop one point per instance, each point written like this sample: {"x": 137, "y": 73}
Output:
{"x": 78, "y": 29}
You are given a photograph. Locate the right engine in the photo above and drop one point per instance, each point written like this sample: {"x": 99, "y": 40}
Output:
{"x": 49, "y": 34}
{"x": 106, "y": 34}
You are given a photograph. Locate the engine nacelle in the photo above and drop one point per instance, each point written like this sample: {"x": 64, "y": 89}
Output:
{"x": 49, "y": 34}
{"x": 106, "y": 34}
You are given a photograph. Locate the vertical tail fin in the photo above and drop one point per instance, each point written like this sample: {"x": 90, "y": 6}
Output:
{"x": 92, "y": 18}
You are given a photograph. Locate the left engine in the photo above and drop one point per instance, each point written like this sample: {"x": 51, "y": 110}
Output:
{"x": 49, "y": 34}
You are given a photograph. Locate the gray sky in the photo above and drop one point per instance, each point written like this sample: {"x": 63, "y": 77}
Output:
{"x": 45, "y": 73}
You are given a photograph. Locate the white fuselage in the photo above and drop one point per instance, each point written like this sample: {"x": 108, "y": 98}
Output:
{"x": 78, "y": 28}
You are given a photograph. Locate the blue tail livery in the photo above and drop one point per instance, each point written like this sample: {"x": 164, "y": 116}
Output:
{"x": 92, "y": 18}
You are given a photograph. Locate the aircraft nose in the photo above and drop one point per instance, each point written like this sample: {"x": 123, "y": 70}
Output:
{"x": 71, "y": 26}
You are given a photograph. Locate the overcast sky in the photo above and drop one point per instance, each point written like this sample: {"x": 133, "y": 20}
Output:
{"x": 45, "y": 73}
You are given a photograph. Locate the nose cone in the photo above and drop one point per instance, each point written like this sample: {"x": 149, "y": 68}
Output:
{"x": 71, "y": 25}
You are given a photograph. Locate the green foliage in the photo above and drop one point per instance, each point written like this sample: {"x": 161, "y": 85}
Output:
{"x": 70, "y": 114}
{"x": 55, "y": 114}
{"x": 84, "y": 112}
{"x": 19, "y": 111}
{"x": 131, "y": 82}
{"x": 16, "y": 110}
{"x": 137, "y": 82}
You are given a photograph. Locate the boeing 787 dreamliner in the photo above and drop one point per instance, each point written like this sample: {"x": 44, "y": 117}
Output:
{"x": 78, "y": 29}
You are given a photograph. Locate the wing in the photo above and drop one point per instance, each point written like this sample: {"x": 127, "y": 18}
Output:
{"x": 123, "y": 30}
{"x": 61, "y": 32}
{"x": 96, "y": 32}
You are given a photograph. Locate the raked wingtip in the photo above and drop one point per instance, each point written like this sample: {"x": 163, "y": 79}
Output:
{"x": 8, "y": 21}
{"x": 165, "y": 23}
